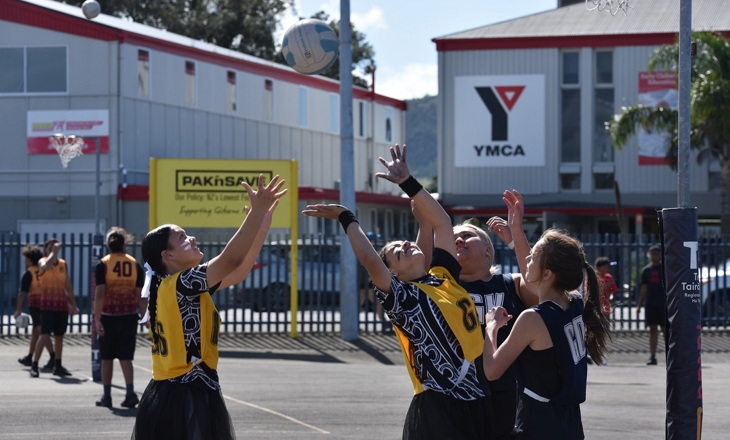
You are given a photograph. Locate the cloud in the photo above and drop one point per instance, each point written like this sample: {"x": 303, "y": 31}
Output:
{"x": 371, "y": 20}
{"x": 407, "y": 82}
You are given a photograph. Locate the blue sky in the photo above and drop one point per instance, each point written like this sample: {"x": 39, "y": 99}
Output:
{"x": 401, "y": 31}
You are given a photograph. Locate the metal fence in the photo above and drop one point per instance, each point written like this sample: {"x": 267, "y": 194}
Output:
{"x": 262, "y": 302}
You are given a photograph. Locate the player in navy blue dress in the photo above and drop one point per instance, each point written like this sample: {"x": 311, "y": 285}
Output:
{"x": 549, "y": 343}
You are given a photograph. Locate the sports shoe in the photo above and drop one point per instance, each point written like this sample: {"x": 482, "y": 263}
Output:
{"x": 652, "y": 361}
{"x": 50, "y": 365}
{"x": 105, "y": 401}
{"x": 130, "y": 401}
{"x": 26, "y": 360}
{"x": 34, "y": 372}
{"x": 61, "y": 371}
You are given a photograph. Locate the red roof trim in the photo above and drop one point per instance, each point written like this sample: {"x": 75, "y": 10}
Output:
{"x": 447, "y": 45}
{"x": 140, "y": 193}
{"x": 38, "y": 16}
{"x": 577, "y": 210}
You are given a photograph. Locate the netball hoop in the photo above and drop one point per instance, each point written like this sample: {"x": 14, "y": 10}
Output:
{"x": 68, "y": 147}
{"x": 610, "y": 6}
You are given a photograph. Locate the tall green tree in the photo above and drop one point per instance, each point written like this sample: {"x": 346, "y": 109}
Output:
{"x": 710, "y": 107}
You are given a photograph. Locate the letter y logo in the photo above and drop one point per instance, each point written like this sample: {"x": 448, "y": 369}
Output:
{"x": 508, "y": 95}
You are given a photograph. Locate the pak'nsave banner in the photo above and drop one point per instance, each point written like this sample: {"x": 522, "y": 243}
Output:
{"x": 684, "y": 327}
{"x": 499, "y": 121}
{"x": 207, "y": 193}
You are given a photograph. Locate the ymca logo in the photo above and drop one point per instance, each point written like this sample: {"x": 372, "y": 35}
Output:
{"x": 508, "y": 96}
{"x": 499, "y": 121}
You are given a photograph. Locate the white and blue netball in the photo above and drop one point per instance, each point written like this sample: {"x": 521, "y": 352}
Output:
{"x": 310, "y": 46}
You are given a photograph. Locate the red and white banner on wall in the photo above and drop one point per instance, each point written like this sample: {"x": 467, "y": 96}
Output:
{"x": 92, "y": 125}
{"x": 656, "y": 89}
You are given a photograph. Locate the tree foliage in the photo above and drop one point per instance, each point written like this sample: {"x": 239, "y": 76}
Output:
{"x": 247, "y": 26}
{"x": 709, "y": 107}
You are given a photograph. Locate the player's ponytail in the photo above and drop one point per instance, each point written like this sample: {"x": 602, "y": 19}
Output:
{"x": 597, "y": 326}
{"x": 156, "y": 241}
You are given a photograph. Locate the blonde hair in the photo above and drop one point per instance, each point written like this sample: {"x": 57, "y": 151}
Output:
{"x": 472, "y": 225}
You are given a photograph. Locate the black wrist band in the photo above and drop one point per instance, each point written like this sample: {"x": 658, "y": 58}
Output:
{"x": 345, "y": 218}
{"x": 411, "y": 186}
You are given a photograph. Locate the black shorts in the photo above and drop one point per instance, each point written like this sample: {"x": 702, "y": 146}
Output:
{"x": 655, "y": 316}
{"x": 54, "y": 322}
{"x": 504, "y": 408}
{"x": 436, "y": 416}
{"x": 35, "y": 316}
{"x": 120, "y": 337}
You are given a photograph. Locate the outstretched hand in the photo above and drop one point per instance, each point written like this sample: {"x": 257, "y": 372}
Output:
{"x": 498, "y": 225}
{"x": 332, "y": 211}
{"x": 265, "y": 196}
{"x": 515, "y": 208}
{"x": 397, "y": 168}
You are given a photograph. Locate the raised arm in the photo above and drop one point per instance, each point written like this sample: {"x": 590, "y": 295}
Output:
{"x": 234, "y": 254}
{"x": 364, "y": 251}
{"x": 46, "y": 263}
{"x": 242, "y": 271}
{"x": 430, "y": 209}
{"x": 515, "y": 214}
{"x": 424, "y": 237}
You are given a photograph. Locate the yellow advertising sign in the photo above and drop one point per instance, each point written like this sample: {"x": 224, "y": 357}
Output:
{"x": 207, "y": 193}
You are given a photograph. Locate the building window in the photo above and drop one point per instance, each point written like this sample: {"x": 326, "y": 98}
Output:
{"x": 303, "y": 113}
{"x": 33, "y": 70}
{"x": 334, "y": 112}
{"x": 570, "y": 109}
{"x": 570, "y": 181}
{"x": 603, "y": 181}
{"x": 570, "y": 112}
{"x": 269, "y": 99}
{"x": 361, "y": 119}
{"x": 189, "y": 83}
{"x": 231, "y": 91}
{"x": 604, "y": 107}
{"x": 143, "y": 73}
{"x": 388, "y": 125}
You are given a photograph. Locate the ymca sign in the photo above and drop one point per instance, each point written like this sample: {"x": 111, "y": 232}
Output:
{"x": 499, "y": 121}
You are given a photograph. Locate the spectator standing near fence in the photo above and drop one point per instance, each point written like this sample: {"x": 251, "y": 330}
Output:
{"x": 30, "y": 287}
{"x": 654, "y": 300}
{"x": 608, "y": 284}
{"x": 57, "y": 301}
{"x": 119, "y": 281}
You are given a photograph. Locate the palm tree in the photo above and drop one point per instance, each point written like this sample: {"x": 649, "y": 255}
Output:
{"x": 709, "y": 110}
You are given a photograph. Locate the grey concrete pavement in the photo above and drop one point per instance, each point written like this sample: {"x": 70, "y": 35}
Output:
{"x": 318, "y": 387}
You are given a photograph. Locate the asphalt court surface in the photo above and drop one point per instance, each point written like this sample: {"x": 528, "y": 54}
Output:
{"x": 321, "y": 387}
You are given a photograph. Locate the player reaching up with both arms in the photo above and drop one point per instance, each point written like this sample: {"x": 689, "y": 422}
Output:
{"x": 549, "y": 342}
{"x": 184, "y": 400}
{"x": 434, "y": 318}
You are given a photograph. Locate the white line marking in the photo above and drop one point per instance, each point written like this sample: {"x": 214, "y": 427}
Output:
{"x": 261, "y": 408}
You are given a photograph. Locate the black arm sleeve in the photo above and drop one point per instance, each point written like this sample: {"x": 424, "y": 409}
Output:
{"x": 100, "y": 274}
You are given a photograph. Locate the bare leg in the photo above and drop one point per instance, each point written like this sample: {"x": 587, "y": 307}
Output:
{"x": 107, "y": 371}
{"x": 127, "y": 371}
{"x": 59, "y": 347}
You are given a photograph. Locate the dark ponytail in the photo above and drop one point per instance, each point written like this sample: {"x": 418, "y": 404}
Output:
{"x": 156, "y": 241}
{"x": 597, "y": 325}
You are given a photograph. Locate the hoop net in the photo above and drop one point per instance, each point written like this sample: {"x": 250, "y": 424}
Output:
{"x": 610, "y": 6}
{"x": 68, "y": 147}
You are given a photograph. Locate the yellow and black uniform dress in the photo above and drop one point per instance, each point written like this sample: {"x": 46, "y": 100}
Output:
{"x": 184, "y": 400}
{"x": 440, "y": 335}
{"x": 30, "y": 284}
{"x": 54, "y": 299}
{"x": 121, "y": 276}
